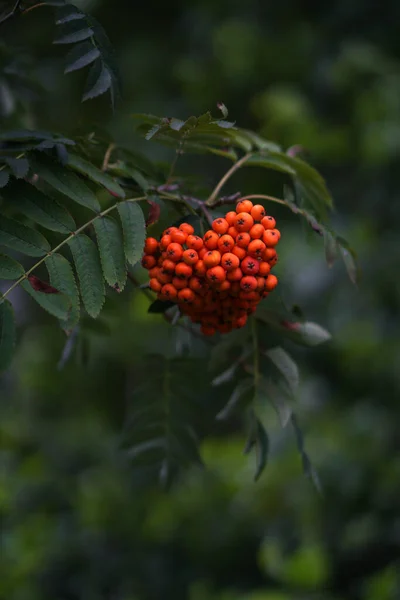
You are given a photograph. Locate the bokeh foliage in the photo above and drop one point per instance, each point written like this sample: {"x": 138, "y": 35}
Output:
{"x": 77, "y": 522}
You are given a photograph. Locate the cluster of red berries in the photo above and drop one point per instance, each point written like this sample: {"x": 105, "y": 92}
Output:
{"x": 216, "y": 280}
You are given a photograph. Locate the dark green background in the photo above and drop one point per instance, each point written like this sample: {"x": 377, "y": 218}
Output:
{"x": 77, "y": 522}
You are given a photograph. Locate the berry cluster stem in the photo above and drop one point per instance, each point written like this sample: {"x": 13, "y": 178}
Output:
{"x": 214, "y": 194}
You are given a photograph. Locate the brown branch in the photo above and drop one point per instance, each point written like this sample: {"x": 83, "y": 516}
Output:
{"x": 12, "y": 12}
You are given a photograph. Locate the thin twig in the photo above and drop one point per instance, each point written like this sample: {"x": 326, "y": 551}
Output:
{"x": 34, "y": 6}
{"x": 264, "y": 197}
{"x": 65, "y": 241}
{"x": 107, "y": 156}
{"x": 12, "y": 12}
{"x": 214, "y": 194}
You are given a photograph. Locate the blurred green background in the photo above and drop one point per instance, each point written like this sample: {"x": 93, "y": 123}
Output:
{"x": 77, "y": 523}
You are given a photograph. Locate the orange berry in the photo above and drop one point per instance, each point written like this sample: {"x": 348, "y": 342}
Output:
{"x": 169, "y": 291}
{"x": 186, "y": 295}
{"x": 153, "y": 272}
{"x": 212, "y": 259}
{"x": 248, "y": 283}
{"x": 224, "y": 286}
{"x": 231, "y": 217}
{"x": 150, "y": 245}
{"x": 148, "y": 261}
{"x": 240, "y": 322}
{"x": 179, "y": 284}
{"x": 244, "y": 221}
{"x": 270, "y": 238}
{"x": 216, "y": 274}
{"x": 199, "y": 268}
{"x": 257, "y": 231}
{"x": 235, "y": 274}
{"x": 256, "y": 248}
{"x": 183, "y": 270}
{"x": 168, "y": 266}
{"x": 269, "y": 254}
{"x": 271, "y": 282}
{"x": 244, "y": 206}
{"x": 169, "y": 230}
{"x": 260, "y": 283}
{"x": 186, "y": 228}
{"x": 232, "y": 231}
{"x": 165, "y": 241}
{"x": 164, "y": 277}
{"x": 239, "y": 252}
{"x": 178, "y": 236}
{"x": 258, "y": 212}
{"x": 226, "y": 243}
{"x": 194, "y": 241}
{"x": 211, "y": 239}
{"x": 278, "y": 233}
{"x": 202, "y": 253}
{"x": 220, "y": 225}
{"x": 264, "y": 269}
{"x": 250, "y": 266}
{"x": 243, "y": 239}
{"x": 190, "y": 256}
{"x": 235, "y": 285}
{"x": 207, "y": 330}
{"x": 229, "y": 261}
{"x": 174, "y": 252}
{"x": 196, "y": 284}
{"x": 268, "y": 222}
{"x": 155, "y": 285}
{"x": 273, "y": 261}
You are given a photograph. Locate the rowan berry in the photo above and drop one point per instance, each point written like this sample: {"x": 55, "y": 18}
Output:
{"x": 229, "y": 261}
{"x": 186, "y": 295}
{"x": 194, "y": 241}
{"x": 216, "y": 274}
{"x": 256, "y": 248}
{"x": 220, "y": 225}
{"x": 211, "y": 239}
{"x": 190, "y": 256}
{"x": 260, "y": 283}
{"x": 207, "y": 330}
{"x": 271, "y": 282}
{"x": 239, "y": 252}
{"x": 232, "y": 231}
{"x": 164, "y": 277}
{"x": 225, "y": 243}
{"x": 250, "y": 266}
{"x": 264, "y": 269}
{"x": 178, "y": 283}
{"x": 199, "y": 268}
{"x": 235, "y": 285}
{"x": 269, "y": 254}
{"x": 169, "y": 291}
{"x": 186, "y": 228}
{"x": 231, "y": 217}
{"x": 244, "y": 221}
{"x": 178, "y": 236}
{"x": 257, "y": 231}
{"x": 196, "y": 284}
{"x": 235, "y": 274}
{"x": 153, "y": 272}
{"x": 148, "y": 261}
{"x": 155, "y": 285}
{"x": 244, "y": 206}
{"x": 278, "y": 233}
{"x": 248, "y": 283}
{"x": 273, "y": 261}
{"x": 174, "y": 252}
{"x": 224, "y": 286}
{"x": 268, "y": 222}
{"x": 168, "y": 266}
{"x": 202, "y": 253}
{"x": 183, "y": 271}
{"x": 270, "y": 238}
{"x": 243, "y": 240}
{"x": 165, "y": 241}
{"x": 258, "y": 212}
{"x": 212, "y": 259}
{"x": 150, "y": 245}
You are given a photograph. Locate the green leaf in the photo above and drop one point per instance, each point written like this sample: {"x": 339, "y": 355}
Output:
{"x": 80, "y": 56}
{"x": 279, "y": 402}
{"x": 286, "y": 365}
{"x": 308, "y": 468}
{"x": 63, "y": 279}
{"x": 42, "y": 209}
{"x": 240, "y": 398}
{"x": 98, "y": 82}
{"x": 134, "y": 228}
{"x": 67, "y": 13}
{"x": 57, "y": 305}
{"x": 22, "y": 238}
{"x": 331, "y": 248}
{"x": 19, "y": 166}
{"x": 7, "y": 334}
{"x": 73, "y": 32}
{"x": 86, "y": 168}
{"x": 262, "y": 448}
{"x": 312, "y": 333}
{"x": 111, "y": 247}
{"x": 225, "y": 376}
{"x": 88, "y": 268}
{"x": 4, "y": 178}
{"x": 349, "y": 259}
{"x": 65, "y": 182}
{"x": 10, "y": 268}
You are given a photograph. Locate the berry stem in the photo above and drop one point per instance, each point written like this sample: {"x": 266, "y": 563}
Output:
{"x": 214, "y": 194}
{"x": 256, "y": 357}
